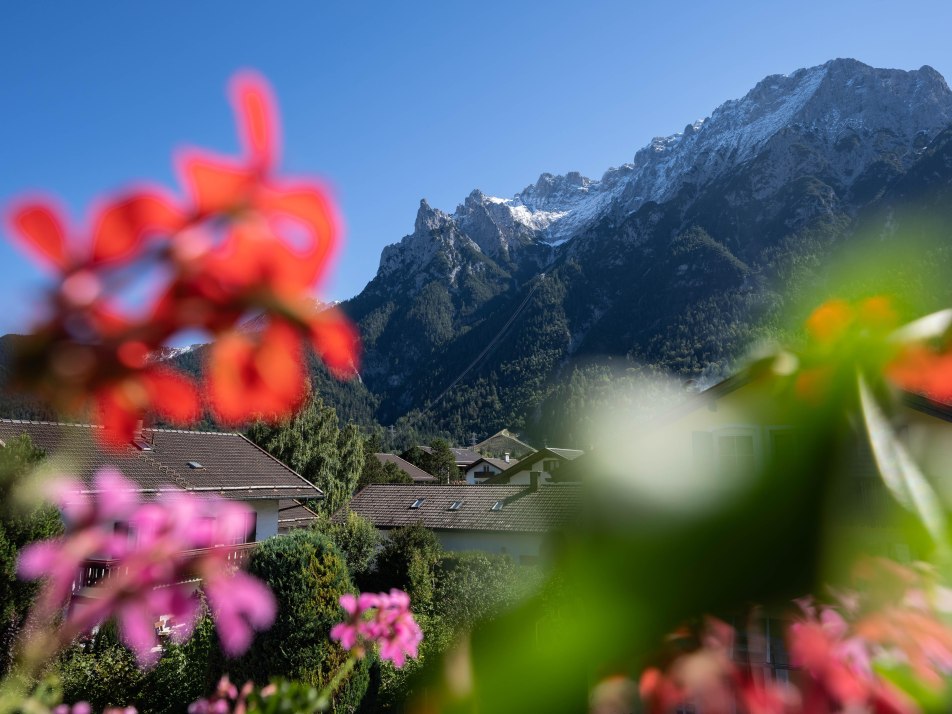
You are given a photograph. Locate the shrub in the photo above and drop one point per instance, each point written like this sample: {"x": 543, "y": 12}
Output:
{"x": 308, "y": 575}
{"x": 473, "y": 586}
{"x": 357, "y": 540}
{"x": 107, "y": 673}
{"x": 408, "y": 561}
{"x": 106, "y": 677}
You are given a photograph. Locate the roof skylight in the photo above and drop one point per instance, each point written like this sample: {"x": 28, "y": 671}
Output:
{"x": 456, "y": 505}
{"x": 195, "y": 465}
{"x": 497, "y": 506}
{"x": 417, "y": 503}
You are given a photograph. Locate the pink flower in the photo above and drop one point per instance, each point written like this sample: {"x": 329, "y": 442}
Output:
{"x": 226, "y": 699}
{"x": 91, "y": 523}
{"x": 174, "y": 543}
{"x": 708, "y": 678}
{"x": 840, "y": 668}
{"x": 77, "y": 708}
{"x": 240, "y": 604}
{"x": 391, "y": 625}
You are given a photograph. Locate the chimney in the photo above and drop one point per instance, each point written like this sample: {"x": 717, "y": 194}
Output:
{"x": 506, "y": 457}
{"x": 137, "y": 434}
{"x": 534, "y": 481}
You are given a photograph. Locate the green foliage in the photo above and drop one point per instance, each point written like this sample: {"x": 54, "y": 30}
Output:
{"x": 350, "y": 446}
{"x": 181, "y": 676}
{"x": 468, "y": 588}
{"x": 441, "y": 462}
{"x": 308, "y": 575}
{"x": 20, "y": 524}
{"x": 375, "y": 471}
{"x": 408, "y": 562}
{"x": 474, "y": 586}
{"x": 107, "y": 674}
{"x": 312, "y": 444}
{"x": 109, "y": 677}
{"x": 358, "y": 541}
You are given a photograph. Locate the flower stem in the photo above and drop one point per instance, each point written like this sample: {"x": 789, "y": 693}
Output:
{"x": 324, "y": 701}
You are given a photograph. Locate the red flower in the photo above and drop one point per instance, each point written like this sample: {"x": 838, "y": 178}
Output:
{"x": 257, "y": 375}
{"x": 249, "y": 243}
{"x": 121, "y": 404}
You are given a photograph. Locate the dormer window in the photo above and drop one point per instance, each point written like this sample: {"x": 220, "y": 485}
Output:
{"x": 417, "y": 503}
{"x": 456, "y": 505}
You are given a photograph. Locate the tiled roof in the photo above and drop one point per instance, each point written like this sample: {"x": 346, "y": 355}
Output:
{"x": 411, "y": 470}
{"x": 503, "y": 441}
{"x": 294, "y": 514}
{"x": 523, "y": 511}
{"x": 500, "y": 464}
{"x": 464, "y": 457}
{"x": 529, "y": 461}
{"x": 569, "y": 454}
{"x": 227, "y": 464}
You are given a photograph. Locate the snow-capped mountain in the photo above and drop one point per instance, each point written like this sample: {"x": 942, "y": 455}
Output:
{"x": 670, "y": 258}
{"x": 851, "y": 113}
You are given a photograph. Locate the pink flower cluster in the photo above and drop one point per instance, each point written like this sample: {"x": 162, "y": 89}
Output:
{"x": 382, "y": 618}
{"x": 897, "y": 615}
{"x": 227, "y": 699}
{"x": 901, "y": 616}
{"x": 840, "y": 666}
{"x": 158, "y": 550}
{"x": 708, "y": 678}
{"x": 84, "y": 708}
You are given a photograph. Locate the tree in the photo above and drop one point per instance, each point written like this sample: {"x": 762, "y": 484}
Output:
{"x": 20, "y": 524}
{"x": 312, "y": 444}
{"x": 418, "y": 457}
{"x": 357, "y": 539}
{"x": 307, "y": 574}
{"x": 375, "y": 471}
{"x": 350, "y": 446}
{"x": 442, "y": 462}
{"x": 408, "y": 562}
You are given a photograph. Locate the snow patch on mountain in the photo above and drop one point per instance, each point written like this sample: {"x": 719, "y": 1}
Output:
{"x": 882, "y": 112}
{"x": 829, "y": 101}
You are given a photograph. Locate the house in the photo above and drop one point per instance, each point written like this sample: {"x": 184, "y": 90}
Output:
{"x": 501, "y": 443}
{"x": 222, "y": 464}
{"x": 412, "y": 470}
{"x": 513, "y": 520}
{"x": 464, "y": 457}
{"x": 294, "y": 514}
{"x": 547, "y": 463}
{"x": 487, "y": 467}
{"x": 717, "y": 442}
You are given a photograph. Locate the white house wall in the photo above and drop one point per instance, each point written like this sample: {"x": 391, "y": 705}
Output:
{"x": 266, "y": 524}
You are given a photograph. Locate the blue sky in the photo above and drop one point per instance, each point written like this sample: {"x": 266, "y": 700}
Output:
{"x": 392, "y": 102}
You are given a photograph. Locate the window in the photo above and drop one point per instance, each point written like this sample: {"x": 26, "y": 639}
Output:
{"x": 456, "y": 505}
{"x": 735, "y": 453}
{"x": 417, "y": 503}
{"x": 195, "y": 465}
{"x": 725, "y": 452}
{"x": 497, "y": 506}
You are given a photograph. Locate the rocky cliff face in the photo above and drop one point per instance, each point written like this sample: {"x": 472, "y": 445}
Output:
{"x": 668, "y": 258}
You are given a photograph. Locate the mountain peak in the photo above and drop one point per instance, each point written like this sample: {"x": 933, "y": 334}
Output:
{"x": 428, "y": 218}
{"x": 785, "y": 118}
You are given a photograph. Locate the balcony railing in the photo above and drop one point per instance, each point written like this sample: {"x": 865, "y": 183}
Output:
{"x": 96, "y": 570}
